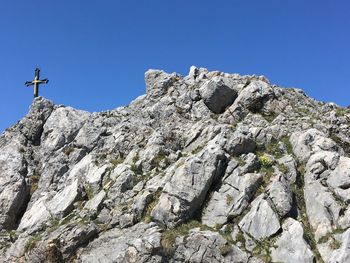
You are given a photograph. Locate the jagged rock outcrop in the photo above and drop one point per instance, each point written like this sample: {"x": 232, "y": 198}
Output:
{"x": 209, "y": 167}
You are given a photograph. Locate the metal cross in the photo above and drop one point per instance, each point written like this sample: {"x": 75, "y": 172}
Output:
{"x": 36, "y": 82}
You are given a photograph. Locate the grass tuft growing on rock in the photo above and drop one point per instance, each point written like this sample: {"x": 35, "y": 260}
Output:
{"x": 32, "y": 242}
{"x": 169, "y": 235}
{"x": 225, "y": 249}
{"x": 116, "y": 161}
{"x": 262, "y": 250}
{"x": 146, "y": 217}
{"x": 142, "y": 177}
{"x": 240, "y": 161}
{"x": 273, "y": 148}
{"x": 344, "y": 144}
{"x": 269, "y": 117}
{"x": 229, "y": 199}
{"x": 334, "y": 243}
{"x": 283, "y": 169}
{"x": 89, "y": 192}
{"x": 198, "y": 149}
{"x": 240, "y": 239}
{"x": 288, "y": 144}
{"x": 54, "y": 223}
{"x": 158, "y": 159}
{"x": 68, "y": 150}
{"x": 34, "y": 182}
{"x": 340, "y": 112}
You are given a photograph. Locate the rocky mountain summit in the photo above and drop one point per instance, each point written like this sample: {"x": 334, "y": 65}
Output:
{"x": 210, "y": 167}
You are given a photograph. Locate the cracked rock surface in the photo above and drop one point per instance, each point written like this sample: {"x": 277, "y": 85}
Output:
{"x": 208, "y": 167}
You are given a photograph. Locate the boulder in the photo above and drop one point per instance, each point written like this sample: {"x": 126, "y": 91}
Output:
{"x": 321, "y": 208}
{"x": 61, "y": 127}
{"x": 291, "y": 247}
{"x": 158, "y": 82}
{"x": 14, "y": 191}
{"x": 206, "y": 246}
{"x": 216, "y": 95}
{"x": 36, "y": 216}
{"x": 87, "y": 171}
{"x": 261, "y": 221}
{"x": 89, "y": 134}
{"x": 339, "y": 179}
{"x": 134, "y": 244}
{"x": 141, "y": 201}
{"x": 241, "y": 142}
{"x": 307, "y": 142}
{"x": 231, "y": 199}
{"x": 253, "y": 96}
{"x": 342, "y": 254}
{"x": 62, "y": 203}
{"x": 31, "y": 126}
{"x": 184, "y": 194}
{"x": 289, "y": 162}
{"x": 61, "y": 244}
{"x": 93, "y": 206}
{"x": 280, "y": 193}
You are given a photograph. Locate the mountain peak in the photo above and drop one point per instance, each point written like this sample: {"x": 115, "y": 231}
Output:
{"x": 208, "y": 167}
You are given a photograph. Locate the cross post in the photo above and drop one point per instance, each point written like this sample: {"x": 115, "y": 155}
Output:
{"x": 36, "y": 82}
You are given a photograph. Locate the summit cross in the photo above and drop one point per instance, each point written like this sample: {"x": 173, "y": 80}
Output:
{"x": 36, "y": 82}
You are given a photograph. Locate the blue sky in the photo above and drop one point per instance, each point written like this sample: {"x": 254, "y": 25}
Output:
{"x": 95, "y": 53}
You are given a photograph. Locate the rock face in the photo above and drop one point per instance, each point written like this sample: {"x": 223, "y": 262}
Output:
{"x": 291, "y": 246}
{"x": 209, "y": 167}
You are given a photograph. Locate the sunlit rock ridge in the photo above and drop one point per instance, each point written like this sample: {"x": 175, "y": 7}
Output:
{"x": 209, "y": 167}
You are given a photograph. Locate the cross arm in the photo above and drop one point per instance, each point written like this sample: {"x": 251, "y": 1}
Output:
{"x": 43, "y": 81}
{"x": 29, "y": 83}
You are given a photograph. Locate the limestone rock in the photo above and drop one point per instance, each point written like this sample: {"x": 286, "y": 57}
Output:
{"x": 339, "y": 179}
{"x": 141, "y": 201}
{"x": 280, "y": 193}
{"x": 322, "y": 209}
{"x": 261, "y": 221}
{"x": 207, "y": 246}
{"x": 342, "y": 254}
{"x": 93, "y": 206}
{"x": 62, "y": 203}
{"x": 32, "y": 124}
{"x": 202, "y": 168}
{"x": 187, "y": 188}
{"x": 289, "y": 162}
{"x": 14, "y": 190}
{"x": 134, "y": 244}
{"x": 291, "y": 246}
{"x": 241, "y": 142}
{"x": 310, "y": 141}
{"x": 37, "y": 215}
{"x": 62, "y": 126}
{"x": 216, "y": 95}
{"x": 158, "y": 82}
{"x": 231, "y": 199}
{"x": 254, "y": 95}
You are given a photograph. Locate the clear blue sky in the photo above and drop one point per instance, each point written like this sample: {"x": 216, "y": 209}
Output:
{"x": 95, "y": 53}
